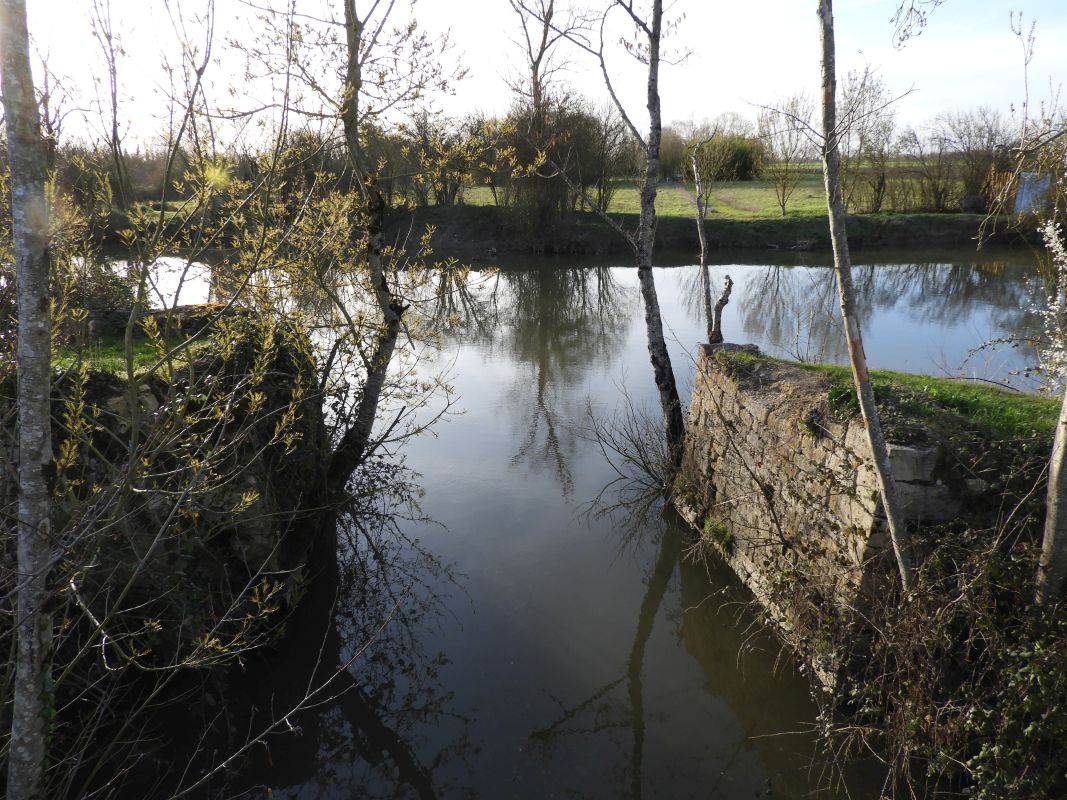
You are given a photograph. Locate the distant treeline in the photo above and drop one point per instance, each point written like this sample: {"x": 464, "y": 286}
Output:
{"x": 569, "y": 155}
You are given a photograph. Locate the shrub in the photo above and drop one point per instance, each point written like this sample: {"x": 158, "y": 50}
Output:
{"x": 99, "y": 296}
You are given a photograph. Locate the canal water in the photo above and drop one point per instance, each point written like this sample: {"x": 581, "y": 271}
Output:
{"x": 516, "y": 621}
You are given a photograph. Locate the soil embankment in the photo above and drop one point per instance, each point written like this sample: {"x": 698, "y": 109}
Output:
{"x": 482, "y": 232}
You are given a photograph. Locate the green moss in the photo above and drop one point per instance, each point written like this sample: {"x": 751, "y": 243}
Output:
{"x": 717, "y": 531}
{"x": 737, "y": 364}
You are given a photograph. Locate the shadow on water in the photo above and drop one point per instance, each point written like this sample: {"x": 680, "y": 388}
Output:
{"x": 368, "y": 690}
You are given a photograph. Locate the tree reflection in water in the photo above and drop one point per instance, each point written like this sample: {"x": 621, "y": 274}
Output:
{"x": 790, "y": 309}
{"x": 743, "y": 664}
{"x": 607, "y": 708}
{"x": 359, "y": 640}
{"x": 561, "y": 322}
{"x": 462, "y": 302}
{"x": 396, "y": 730}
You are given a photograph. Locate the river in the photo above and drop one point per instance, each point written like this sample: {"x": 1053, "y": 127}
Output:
{"x": 505, "y": 634}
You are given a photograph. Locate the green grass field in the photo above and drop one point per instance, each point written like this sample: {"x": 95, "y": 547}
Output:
{"x": 729, "y": 200}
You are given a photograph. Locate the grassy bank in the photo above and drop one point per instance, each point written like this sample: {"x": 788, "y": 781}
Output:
{"x": 106, "y": 352}
{"x": 742, "y": 215}
{"x": 941, "y": 404}
{"x": 934, "y": 405}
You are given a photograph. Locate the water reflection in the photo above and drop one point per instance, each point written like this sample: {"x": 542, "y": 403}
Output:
{"x": 459, "y": 302}
{"x": 940, "y": 318}
{"x": 173, "y": 281}
{"x": 560, "y": 322}
{"x": 746, "y": 663}
{"x": 584, "y": 656}
{"x": 607, "y": 708}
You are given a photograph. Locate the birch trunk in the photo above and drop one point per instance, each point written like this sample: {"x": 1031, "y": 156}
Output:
{"x": 26, "y": 156}
{"x": 646, "y": 233}
{"x": 843, "y": 271}
{"x": 1052, "y": 568}
{"x": 702, "y": 211}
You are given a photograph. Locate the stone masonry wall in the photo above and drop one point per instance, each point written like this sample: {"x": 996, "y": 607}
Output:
{"x": 788, "y": 494}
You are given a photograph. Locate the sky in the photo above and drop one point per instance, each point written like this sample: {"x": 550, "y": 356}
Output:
{"x": 734, "y": 56}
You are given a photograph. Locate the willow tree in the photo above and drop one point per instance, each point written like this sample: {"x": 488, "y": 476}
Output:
{"x": 355, "y": 72}
{"x": 36, "y": 548}
{"x": 831, "y": 158}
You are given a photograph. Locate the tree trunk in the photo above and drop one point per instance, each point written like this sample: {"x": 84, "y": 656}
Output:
{"x": 353, "y": 446}
{"x": 1052, "y": 569}
{"x": 352, "y": 449}
{"x": 702, "y": 211}
{"x": 646, "y": 233}
{"x": 843, "y": 271}
{"x": 29, "y": 213}
{"x": 702, "y": 234}
{"x": 715, "y": 325}
{"x": 353, "y": 85}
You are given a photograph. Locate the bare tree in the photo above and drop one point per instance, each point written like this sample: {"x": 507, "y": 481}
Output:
{"x": 611, "y": 154}
{"x": 975, "y": 139}
{"x": 785, "y": 133}
{"x": 843, "y": 269}
{"x": 657, "y": 347}
{"x": 538, "y": 46}
{"x": 931, "y": 163}
{"x": 703, "y": 180}
{"x": 911, "y": 17}
{"x": 704, "y": 162}
{"x": 36, "y": 548}
{"x": 648, "y": 29}
{"x": 865, "y": 139}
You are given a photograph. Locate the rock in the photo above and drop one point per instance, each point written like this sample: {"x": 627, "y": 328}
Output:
{"x": 912, "y": 464}
{"x": 927, "y": 503}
